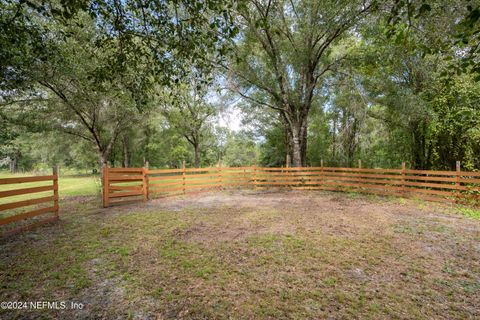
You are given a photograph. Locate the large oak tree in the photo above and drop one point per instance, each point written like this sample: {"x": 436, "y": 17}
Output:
{"x": 285, "y": 51}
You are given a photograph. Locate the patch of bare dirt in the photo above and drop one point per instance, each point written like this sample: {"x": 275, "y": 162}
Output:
{"x": 278, "y": 254}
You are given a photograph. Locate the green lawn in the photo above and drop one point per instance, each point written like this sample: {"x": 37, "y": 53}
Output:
{"x": 79, "y": 185}
{"x": 249, "y": 255}
{"x": 73, "y": 185}
{"x": 69, "y": 186}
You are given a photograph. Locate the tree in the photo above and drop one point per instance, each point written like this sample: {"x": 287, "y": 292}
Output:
{"x": 169, "y": 34}
{"x": 285, "y": 50}
{"x": 348, "y": 113}
{"x": 454, "y": 132}
{"x": 81, "y": 102}
{"x": 449, "y": 27}
{"x": 66, "y": 89}
{"x": 93, "y": 63}
{"x": 240, "y": 150}
{"x": 9, "y": 153}
{"x": 411, "y": 107}
{"x": 186, "y": 109}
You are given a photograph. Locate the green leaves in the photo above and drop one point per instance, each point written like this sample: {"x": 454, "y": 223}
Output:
{"x": 424, "y": 8}
{"x": 171, "y": 36}
{"x": 451, "y": 27}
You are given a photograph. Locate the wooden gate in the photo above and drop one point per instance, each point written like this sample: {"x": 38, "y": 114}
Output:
{"x": 121, "y": 183}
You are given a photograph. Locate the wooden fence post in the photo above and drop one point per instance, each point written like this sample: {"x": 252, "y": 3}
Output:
{"x": 255, "y": 177}
{"x": 220, "y": 180}
{"x": 359, "y": 179}
{"x": 457, "y": 180}
{"x": 403, "y": 178}
{"x": 147, "y": 166}
{"x": 321, "y": 173}
{"x": 55, "y": 190}
{"x": 183, "y": 176}
{"x": 287, "y": 165}
{"x": 106, "y": 184}
{"x": 144, "y": 183}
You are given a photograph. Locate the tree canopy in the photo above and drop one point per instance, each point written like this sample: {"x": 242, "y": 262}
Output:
{"x": 87, "y": 83}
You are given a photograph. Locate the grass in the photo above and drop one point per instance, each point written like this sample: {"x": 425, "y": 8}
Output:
{"x": 470, "y": 212}
{"x": 86, "y": 185}
{"x": 69, "y": 186}
{"x": 248, "y": 255}
{"x": 252, "y": 256}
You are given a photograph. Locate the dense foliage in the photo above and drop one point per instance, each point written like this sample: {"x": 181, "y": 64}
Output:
{"x": 86, "y": 83}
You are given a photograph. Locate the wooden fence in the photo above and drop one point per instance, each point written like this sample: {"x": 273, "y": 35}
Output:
{"x": 449, "y": 186}
{"x": 119, "y": 183}
{"x": 40, "y": 205}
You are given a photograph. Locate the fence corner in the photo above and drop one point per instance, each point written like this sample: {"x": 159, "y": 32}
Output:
{"x": 105, "y": 184}
{"x": 144, "y": 184}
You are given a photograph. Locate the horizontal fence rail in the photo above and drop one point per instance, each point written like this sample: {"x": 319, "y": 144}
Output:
{"x": 121, "y": 183}
{"x": 23, "y": 208}
{"x": 448, "y": 186}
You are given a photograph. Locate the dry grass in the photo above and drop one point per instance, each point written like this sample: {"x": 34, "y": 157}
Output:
{"x": 250, "y": 255}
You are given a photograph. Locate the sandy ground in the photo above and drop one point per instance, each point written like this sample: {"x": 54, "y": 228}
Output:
{"x": 254, "y": 254}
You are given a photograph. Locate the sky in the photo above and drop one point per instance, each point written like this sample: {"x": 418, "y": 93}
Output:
{"x": 231, "y": 118}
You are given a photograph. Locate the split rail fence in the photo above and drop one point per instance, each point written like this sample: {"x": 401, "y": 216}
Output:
{"x": 44, "y": 189}
{"x": 125, "y": 184}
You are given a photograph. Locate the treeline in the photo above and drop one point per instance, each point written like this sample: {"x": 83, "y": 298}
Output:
{"x": 161, "y": 147}
{"x": 383, "y": 82}
{"x": 86, "y": 84}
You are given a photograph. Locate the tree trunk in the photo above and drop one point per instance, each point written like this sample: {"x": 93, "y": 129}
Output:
{"x": 296, "y": 146}
{"x": 146, "y": 148}
{"x": 351, "y": 143}
{"x": 102, "y": 159}
{"x": 103, "y": 154}
{"x": 298, "y": 139}
{"x": 13, "y": 164}
{"x": 419, "y": 147}
{"x": 126, "y": 158}
{"x": 334, "y": 140}
{"x": 197, "y": 155}
{"x": 304, "y": 145}
{"x": 297, "y": 153}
